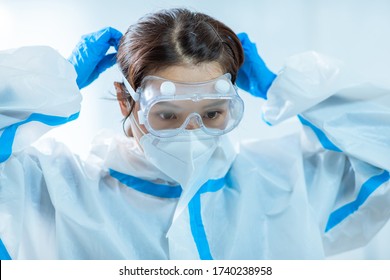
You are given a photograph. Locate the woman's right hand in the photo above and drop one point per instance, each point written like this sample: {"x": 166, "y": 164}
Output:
{"x": 89, "y": 57}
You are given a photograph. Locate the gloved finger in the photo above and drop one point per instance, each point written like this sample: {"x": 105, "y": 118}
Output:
{"x": 94, "y": 46}
{"x": 115, "y": 37}
{"x": 243, "y": 37}
{"x": 108, "y": 37}
{"x": 106, "y": 62}
{"x": 246, "y": 43}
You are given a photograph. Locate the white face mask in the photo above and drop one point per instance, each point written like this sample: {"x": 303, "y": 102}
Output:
{"x": 181, "y": 157}
{"x": 190, "y": 158}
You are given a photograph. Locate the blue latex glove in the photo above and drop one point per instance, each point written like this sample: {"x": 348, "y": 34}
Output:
{"x": 253, "y": 76}
{"x": 89, "y": 57}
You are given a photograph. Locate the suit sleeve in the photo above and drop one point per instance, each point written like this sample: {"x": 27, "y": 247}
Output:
{"x": 346, "y": 125}
{"x": 38, "y": 91}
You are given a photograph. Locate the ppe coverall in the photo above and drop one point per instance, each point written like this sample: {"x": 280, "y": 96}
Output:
{"x": 307, "y": 195}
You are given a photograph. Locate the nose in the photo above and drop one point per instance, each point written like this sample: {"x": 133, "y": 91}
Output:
{"x": 193, "y": 123}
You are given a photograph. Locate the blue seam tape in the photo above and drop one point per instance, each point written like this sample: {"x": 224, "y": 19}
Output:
{"x": 160, "y": 190}
{"x": 366, "y": 190}
{"x": 196, "y": 223}
{"x": 3, "y": 252}
{"x": 147, "y": 187}
{"x": 197, "y": 228}
{"x": 194, "y": 207}
{"x": 213, "y": 185}
{"x": 324, "y": 140}
{"x": 8, "y": 136}
{"x": 264, "y": 120}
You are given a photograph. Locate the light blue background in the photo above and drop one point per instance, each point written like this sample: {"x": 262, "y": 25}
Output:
{"x": 355, "y": 31}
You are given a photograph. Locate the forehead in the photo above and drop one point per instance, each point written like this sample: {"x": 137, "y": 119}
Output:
{"x": 191, "y": 73}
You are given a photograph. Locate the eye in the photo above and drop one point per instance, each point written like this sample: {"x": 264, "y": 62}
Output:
{"x": 212, "y": 115}
{"x": 167, "y": 116}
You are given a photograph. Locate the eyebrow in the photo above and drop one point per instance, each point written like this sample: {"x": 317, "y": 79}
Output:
{"x": 216, "y": 103}
{"x": 171, "y": 105}
{"x": 168, "y": 104}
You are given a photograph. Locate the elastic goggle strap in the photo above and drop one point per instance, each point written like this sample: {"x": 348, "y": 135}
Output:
{"x": 135, "y": 95}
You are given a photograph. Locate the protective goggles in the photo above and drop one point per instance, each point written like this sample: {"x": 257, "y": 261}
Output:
{"x": 167, "y": 107}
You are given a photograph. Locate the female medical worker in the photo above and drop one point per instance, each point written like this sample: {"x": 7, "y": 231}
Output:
{"x": 176, "y": 189}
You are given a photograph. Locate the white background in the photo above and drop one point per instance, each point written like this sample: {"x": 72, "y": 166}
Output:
{"x": 355, "y": 31}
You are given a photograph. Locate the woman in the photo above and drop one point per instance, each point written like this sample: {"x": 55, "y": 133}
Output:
{"x": 174, "y": 187}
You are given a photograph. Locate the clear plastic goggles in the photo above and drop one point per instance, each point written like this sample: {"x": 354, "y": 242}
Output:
{"x": 167, "y": 107}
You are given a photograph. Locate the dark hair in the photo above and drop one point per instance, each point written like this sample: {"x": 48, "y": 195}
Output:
{"x": 177, "y": 37}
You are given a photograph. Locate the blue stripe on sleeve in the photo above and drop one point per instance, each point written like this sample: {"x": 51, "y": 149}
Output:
{"x": 366, "y": 190}
{"x": 3, "y": 252}
{"x": 8, "y": 136}
{"x": 324, "y": 140}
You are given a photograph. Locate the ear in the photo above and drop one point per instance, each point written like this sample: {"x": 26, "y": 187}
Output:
{"x": 122, "y": 100}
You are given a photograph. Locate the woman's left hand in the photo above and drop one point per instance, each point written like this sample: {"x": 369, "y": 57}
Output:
{"x": 253, "y": 76}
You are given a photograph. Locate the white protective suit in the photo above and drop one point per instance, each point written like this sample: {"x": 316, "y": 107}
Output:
{"x": 305, "y": 196}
